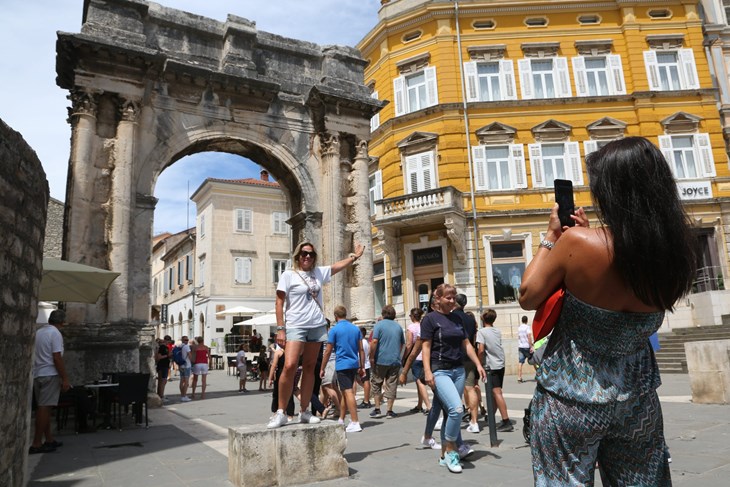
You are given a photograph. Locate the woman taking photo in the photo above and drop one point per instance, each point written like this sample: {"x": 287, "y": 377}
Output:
{"x": 302, "y": 325}
{"x": 445, "y": 345}
{"x": 596, "y": 397}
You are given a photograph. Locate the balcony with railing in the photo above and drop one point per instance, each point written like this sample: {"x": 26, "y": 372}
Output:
{"x": 708, "y": 279}
{"x": 420, "y": 208}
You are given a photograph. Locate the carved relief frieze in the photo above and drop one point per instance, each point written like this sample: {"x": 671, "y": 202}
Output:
{"x": 551, "y": 131}
{"x": 594, "y": 47}
{"x": 413, "y": 64}
{"x": 540, "y": 49}
{"x": 455, "y": 230}
{"x": 491, "y": 52}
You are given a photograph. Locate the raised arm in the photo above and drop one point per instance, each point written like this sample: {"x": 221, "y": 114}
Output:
{"x": 350, "y": 259}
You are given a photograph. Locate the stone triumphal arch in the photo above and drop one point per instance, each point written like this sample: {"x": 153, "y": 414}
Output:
{"x": 149, "y": 85}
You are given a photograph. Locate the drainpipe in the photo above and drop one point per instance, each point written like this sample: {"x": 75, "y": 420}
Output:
{"x": 475, "y": 229}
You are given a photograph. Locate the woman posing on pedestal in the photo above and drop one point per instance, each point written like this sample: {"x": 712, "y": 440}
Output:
{"x": 301, "y": 324}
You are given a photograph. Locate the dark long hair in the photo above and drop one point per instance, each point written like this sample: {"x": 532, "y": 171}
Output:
{"x": 655, "y": 249}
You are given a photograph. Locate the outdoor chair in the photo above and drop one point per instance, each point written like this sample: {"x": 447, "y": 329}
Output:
{"x": 232, "y": 367}
{"x": 132, "y": 390}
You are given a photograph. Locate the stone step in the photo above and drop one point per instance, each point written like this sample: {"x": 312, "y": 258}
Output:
{"x": 671, "y": 358}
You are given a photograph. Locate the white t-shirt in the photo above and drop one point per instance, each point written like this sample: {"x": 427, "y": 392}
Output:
{"x": 301, "y": 310}
{"x": 522, "y": 336}
{"x": 241, "y": 359}
{"x": 186, "y": 354}
{"x": 366, "y": 351}
{"x": 48, "y": 340}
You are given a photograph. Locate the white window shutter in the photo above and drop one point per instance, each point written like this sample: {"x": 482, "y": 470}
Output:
{"x": 507, "y": 87}
{"x": 538, "y": 175}
{"x": 427, "y": 170}
{"x": 478, "y": 154}
{"x": 560, "y": 66}
{"x": 689, "y": 69}
{"x": 412, "y": 174}
{"x": 589, "y": 146}
{"x": 432, "y": 95}
{"x": 378, "y": 185}
{"x": 665, "y": 145}
{"x": 238, "y": 220}
{"x": 703, "y": 148}
{"x": 579, "y": 73}
{"x": 375, "y": 121}
{"x": 525, "y": 68}
{"x": 247, "y": 220}
{"x": 238, "y": 270}
{"x": 573, "y": 151}
{"x": 517, "y": 166}
{"x": 247, "y": 270}
{"x": 470, "y": 74}
{"x": 399, "y": 93}
{"x": 652, "y": 70}
{"x": 616, "y": 82}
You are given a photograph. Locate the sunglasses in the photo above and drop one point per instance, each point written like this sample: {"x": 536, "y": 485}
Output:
{"x": 305, "y": 253}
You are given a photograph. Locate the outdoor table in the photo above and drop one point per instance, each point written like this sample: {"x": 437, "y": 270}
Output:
{"x": 103, "y": 388}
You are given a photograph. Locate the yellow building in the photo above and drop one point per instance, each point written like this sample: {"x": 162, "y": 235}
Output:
{"x": 462, "y": 178}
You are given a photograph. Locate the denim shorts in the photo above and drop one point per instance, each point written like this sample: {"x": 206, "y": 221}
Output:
{"x": 185, "y": 371}
{"x": 309, "y": 335}
{"x": 417, "y": 370}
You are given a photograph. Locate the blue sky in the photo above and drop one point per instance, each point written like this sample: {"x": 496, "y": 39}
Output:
{"x": 32, "y": 104}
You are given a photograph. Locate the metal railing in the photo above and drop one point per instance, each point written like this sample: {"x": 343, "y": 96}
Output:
{"x": 708, "y": 278}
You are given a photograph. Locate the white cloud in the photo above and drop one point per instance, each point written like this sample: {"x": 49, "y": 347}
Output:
{"x": 32, "y": 104}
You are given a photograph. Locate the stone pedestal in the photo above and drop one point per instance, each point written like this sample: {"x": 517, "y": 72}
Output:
{"x": 291, "y": 455}
{"x": 708, "y": 363}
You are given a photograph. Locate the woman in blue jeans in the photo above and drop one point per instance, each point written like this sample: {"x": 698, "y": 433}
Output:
{"x": 445, "y": 344}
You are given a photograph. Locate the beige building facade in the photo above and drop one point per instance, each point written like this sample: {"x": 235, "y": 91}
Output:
{"x": 243, "y": 246}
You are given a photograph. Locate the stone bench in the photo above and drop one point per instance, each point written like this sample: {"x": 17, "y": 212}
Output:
{"x": 292, "y": 455}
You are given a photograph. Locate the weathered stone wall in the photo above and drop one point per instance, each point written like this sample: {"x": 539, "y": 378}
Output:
{"x": 53, "y": 245}
{"x": 23, "y": 202}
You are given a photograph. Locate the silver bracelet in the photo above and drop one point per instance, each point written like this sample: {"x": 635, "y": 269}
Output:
{"x": 547, "y": 244}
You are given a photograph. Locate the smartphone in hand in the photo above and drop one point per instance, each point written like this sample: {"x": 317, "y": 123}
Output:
{"x": 564, "y": 199}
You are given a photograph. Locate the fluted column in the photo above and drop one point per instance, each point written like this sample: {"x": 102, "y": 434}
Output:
{"x": 80, "y": 236}
{"x": 361, "y": 292}
{"x": 332, "y": 227}
{"x": 120, "y": 210}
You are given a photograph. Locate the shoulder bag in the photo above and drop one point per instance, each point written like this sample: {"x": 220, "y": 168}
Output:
{"x": 547, "y": 314}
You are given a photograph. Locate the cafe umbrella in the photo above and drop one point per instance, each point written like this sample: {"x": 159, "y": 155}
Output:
{"x": 70, "y": 282}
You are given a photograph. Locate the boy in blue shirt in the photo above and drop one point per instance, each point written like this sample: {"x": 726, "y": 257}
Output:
{"x": 345, "y": 339}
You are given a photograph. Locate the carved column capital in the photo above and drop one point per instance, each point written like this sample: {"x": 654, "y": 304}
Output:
{"x": 330, "y": 144}
{"x": 83, "y": 102}
{"x": 455, "y": 230}
{"x": 129, "y": 110}
{"x": 362, "y": 149}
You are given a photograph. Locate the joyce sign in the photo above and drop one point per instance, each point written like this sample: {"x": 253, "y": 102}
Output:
{"x": 694, "y": 190}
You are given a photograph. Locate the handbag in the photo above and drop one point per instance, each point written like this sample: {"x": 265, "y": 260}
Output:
{"x": 547, "y": 315}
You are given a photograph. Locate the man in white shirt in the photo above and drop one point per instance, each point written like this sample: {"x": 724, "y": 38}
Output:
{"x": 49, "y": 379}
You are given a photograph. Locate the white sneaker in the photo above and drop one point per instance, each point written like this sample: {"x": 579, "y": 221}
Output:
{"x": 307, "y": 417}
{"x": 185, "y": 399}
{"x": 438, "y": 424}
{"x": 431, "y": 443}
{"x": 473, "y": 428}
{"x": 277, "y": 420}
{"x": 341, "y": 421}
{"x": 353, "y": 427}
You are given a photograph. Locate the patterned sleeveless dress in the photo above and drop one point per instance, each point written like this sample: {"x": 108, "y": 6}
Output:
{"x": 596, "y": 401}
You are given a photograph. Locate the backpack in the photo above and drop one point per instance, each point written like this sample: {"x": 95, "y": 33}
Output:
{"x": 177, "y": 356}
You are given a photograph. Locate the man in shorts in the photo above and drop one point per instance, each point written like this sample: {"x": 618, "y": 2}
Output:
{"x": 185, "y": 371}
{"x": 49, "y": 379}
{"x": 345, "y": 339}
{"x": 471, "y": 386}
{"x": 385, "y": 349}
{"x": 489, "y": 341}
